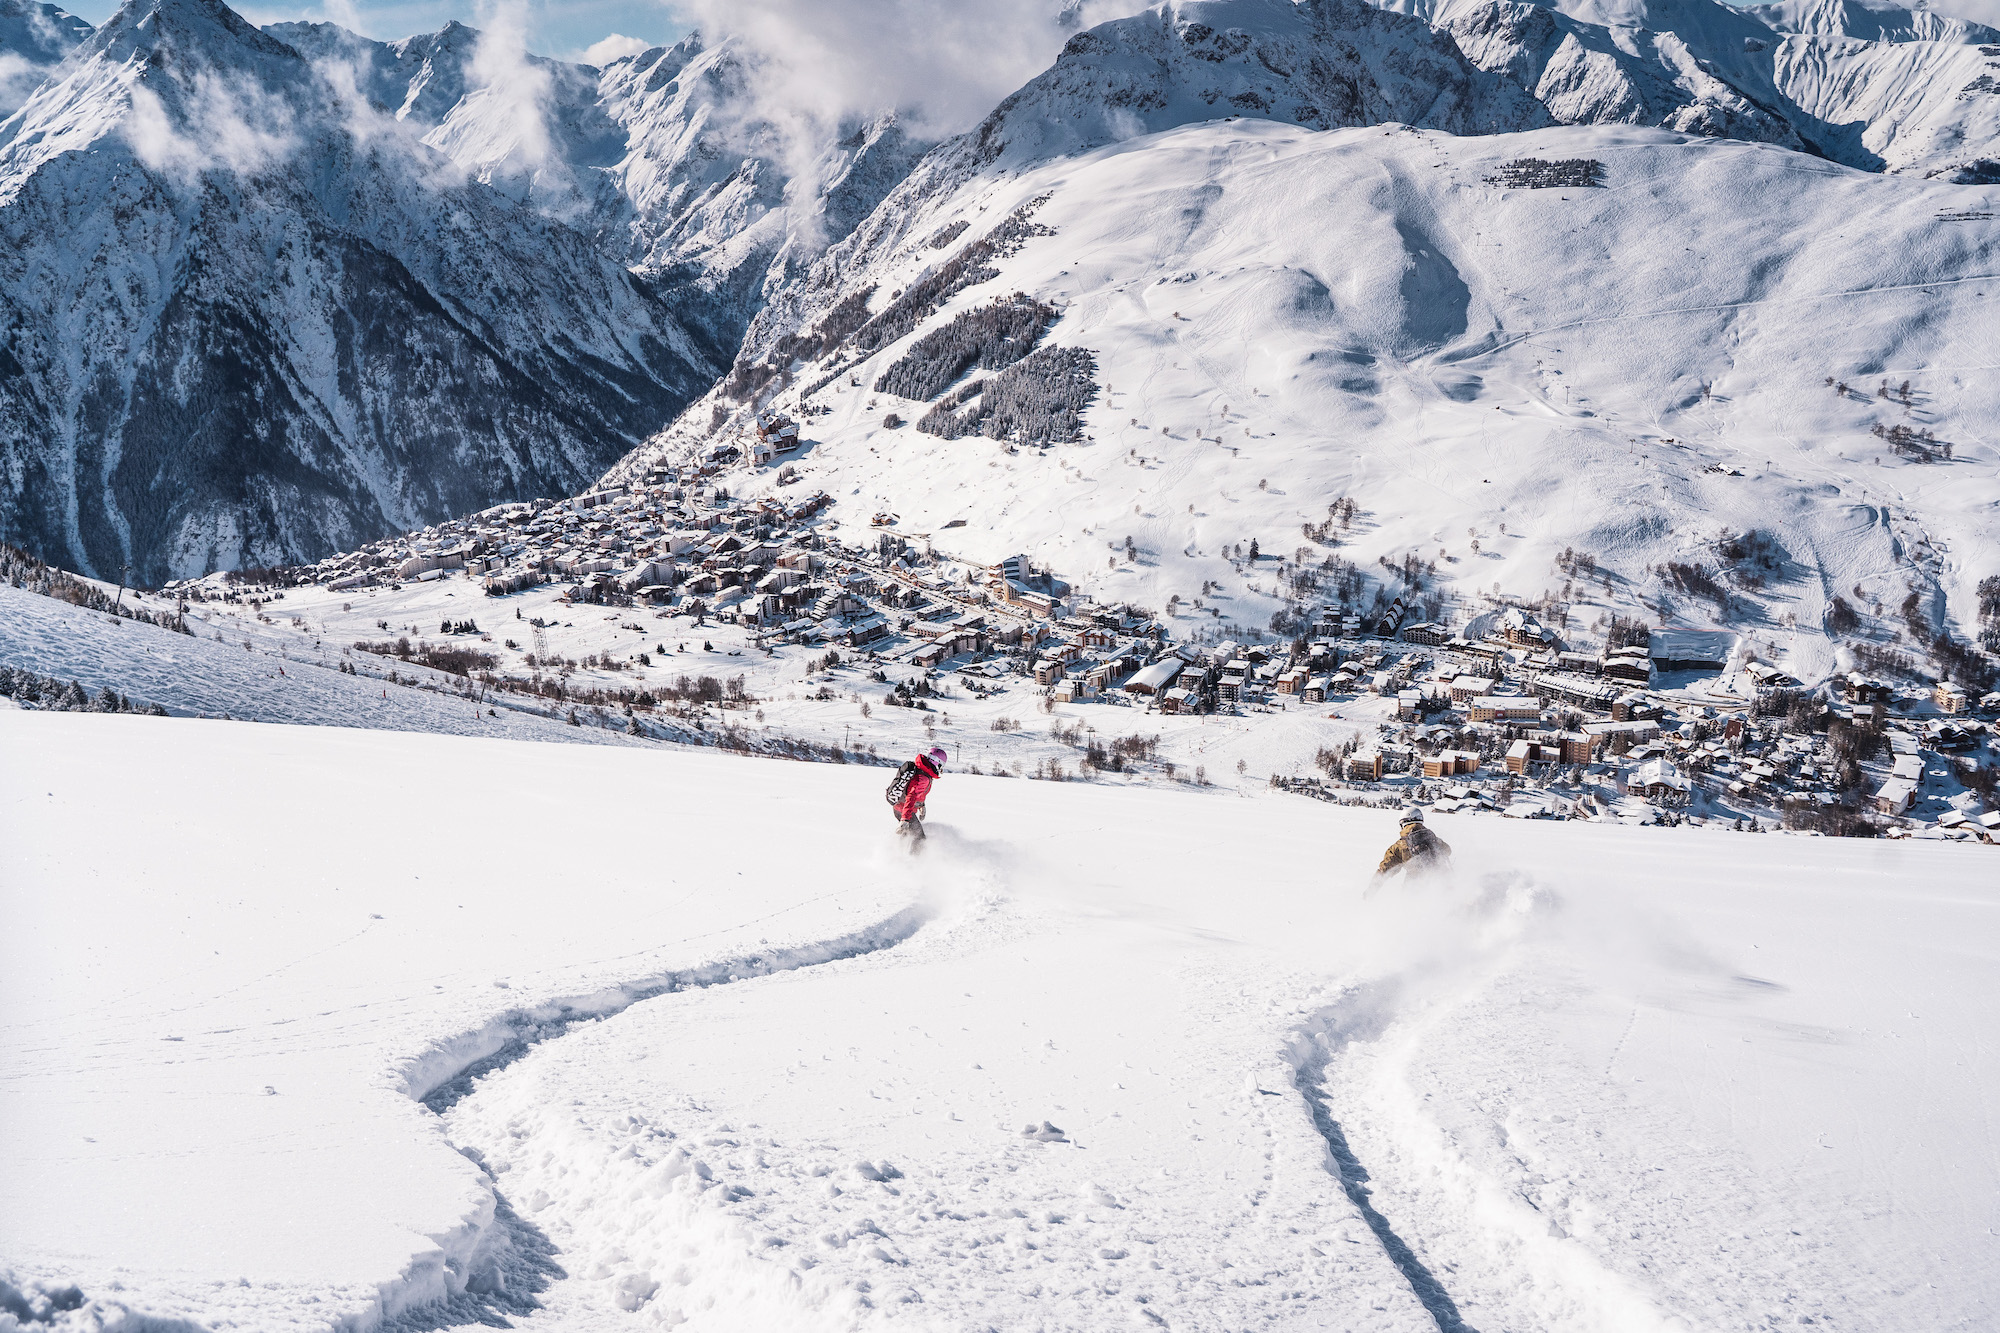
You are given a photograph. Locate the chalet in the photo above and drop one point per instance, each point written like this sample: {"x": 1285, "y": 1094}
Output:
{"x": 1856, "y": 688}
{"x": 1635, "y": 708}
{"x": 1409, "y": 705}
{"x": 1604, "y": 733}
{"x": 1315, "y": 690}
{"x": 1467, "y": 688}
{"x": 1895, "y": 796}
{"x": 1450, "y": 763}
{"x": 1034, "y": 603}
{"x": 1522, "y": 754}
{"x": 1178, "y": 701}
{"x": 1949, "y": 698}
{"x": 1522, "y": 630}
{"x": 1157, "y": 677}
{"x": 1363, "y": 766}
{"x": 1628, "y": 665}
{"x": 1234, "y": 674}
{"x": 1290, "y": 682}
{"x": 1575, "y": 689}
{"x": 1048, "y": 670}
{"x": 1503, "y": 707}
{"x": 1769, "y": 677}
{"x": 956, "y": 639}
{"x": 1946, "y": 737}
{"x": 777, "y": 432}
{"x": 1657, "y": 779}
{"x": 1582, "y": 664}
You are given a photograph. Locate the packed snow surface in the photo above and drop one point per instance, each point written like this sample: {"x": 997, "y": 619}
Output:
{"x": 1095, "y": 1058}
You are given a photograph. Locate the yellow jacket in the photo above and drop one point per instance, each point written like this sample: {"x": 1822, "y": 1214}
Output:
{"x": 1416, "y": 846}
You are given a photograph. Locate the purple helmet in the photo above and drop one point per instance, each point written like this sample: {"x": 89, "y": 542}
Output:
{"x": 937, "y": 757}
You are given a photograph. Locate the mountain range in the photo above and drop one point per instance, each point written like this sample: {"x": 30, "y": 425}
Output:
{"x": 271, "y": 293}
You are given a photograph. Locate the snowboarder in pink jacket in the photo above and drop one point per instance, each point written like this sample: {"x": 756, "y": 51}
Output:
{"x": 911, "y": 787}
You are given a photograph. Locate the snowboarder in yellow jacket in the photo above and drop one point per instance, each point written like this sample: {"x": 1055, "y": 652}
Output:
{"x": 1415, "y": 847}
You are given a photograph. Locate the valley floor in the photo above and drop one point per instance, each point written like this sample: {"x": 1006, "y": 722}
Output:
{"x": 310, "y": 1028}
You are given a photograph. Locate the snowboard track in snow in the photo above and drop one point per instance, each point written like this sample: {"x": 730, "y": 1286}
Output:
{"x": 513, "y": 1261}
{"x": 518, "y": 1264}
{"x": 513, "y": 1034}
{"x": 1320, "y": 1039}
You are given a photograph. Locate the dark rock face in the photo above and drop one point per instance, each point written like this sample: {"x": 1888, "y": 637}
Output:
{"x": 243, "y": 322}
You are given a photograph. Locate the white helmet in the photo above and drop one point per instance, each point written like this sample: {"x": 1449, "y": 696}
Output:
{"x": 1413, "y": 814}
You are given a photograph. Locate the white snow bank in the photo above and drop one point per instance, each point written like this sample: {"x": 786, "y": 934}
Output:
{"x": 236, "y": 952}
{"x": 1156, "y": 1058}
{"x": 1601, "y": 1078}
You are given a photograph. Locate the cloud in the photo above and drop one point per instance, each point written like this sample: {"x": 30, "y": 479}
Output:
{"x": 512, "y": 90}
{"x": 243, "y": 130}
{"x": 943, "y": 63}
{"x": 19, "y": 77}
{"x": 615, "y": 47}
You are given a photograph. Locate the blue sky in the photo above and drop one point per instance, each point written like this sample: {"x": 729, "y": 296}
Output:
{"x": 554, "y": 27}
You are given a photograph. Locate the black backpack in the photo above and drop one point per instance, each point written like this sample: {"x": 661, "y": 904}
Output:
{"x": 899, "y": 785}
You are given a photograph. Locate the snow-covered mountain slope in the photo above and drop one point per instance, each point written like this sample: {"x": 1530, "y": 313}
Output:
{"x": 1596, "y": 1078}
{"x": 418, "y": 79}
{"x": 34, "y": 37}
{"x": 1592, "y": 74}
{"x": 1870, "y": 20}
{"x": 1494, "y": 375}
{"x": 251, "y": 321}
{"x": 1319, "y": 64}
{"x": 1877, "y": 88}
{"x": 726, "y": 201}
{"x": 669, "y": 158}
{"x": 299, "y": 682}
{"x": 525, "y": 124}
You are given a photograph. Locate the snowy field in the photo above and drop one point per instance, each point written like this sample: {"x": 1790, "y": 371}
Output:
{"x": 1099, "y": 1058}
{"x": 254, "y": 674}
